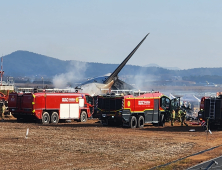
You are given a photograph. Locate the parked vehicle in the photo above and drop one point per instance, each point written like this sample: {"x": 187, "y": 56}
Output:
{"x": 51, "y": 107}
{"x": 211, "y": 111}
{"x": 135, "y": 111}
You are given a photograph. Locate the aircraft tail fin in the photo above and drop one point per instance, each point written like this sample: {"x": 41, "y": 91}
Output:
{"x": 119, "y": 68}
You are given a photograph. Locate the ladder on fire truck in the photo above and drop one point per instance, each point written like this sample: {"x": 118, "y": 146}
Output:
{"x": 212, "y": 108}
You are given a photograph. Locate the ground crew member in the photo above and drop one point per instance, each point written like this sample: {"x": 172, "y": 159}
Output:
{"x": 3, "y": 110}
{"x": 183, "y": 117}
{"x": 178, "y": 114}
{"x": 172, "y": 116}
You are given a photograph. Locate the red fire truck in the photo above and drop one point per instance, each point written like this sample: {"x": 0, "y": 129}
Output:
{"x": 50, "y": 107}
{"x": 133, "y": 111}
{"x": 211, "y": 110}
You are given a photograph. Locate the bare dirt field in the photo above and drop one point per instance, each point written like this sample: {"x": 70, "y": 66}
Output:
{"x": 91, "y": 146}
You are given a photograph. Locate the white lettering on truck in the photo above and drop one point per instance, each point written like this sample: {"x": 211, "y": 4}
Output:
{"x": 72, "y": 99}
{"x": 68, "y": 99}
{"x": 143, "y": 102}
{"x": 64, "y": 99}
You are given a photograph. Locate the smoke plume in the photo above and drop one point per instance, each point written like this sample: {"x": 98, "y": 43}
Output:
{"x": 91, "y": 89}
{"x": 75, "y": 73}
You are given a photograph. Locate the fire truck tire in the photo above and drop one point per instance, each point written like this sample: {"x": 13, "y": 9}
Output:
{"x": 133, "y": 122}
{"x": 162, "y": 122}
{"x": 54, "y": 118}
{"x": 105, "y": 122}
{"x": 83, "y": 117}
{"x": 140, "y": 123}
{"x": 45, "y": 118}
{"x": 19, "y": 120}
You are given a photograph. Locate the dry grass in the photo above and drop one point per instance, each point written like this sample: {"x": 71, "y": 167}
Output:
{"x": 91, "y": 146}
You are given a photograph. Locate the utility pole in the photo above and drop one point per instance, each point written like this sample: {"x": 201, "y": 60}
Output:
{"x": 1, "y": 72}
{"x": 42, "y": 83}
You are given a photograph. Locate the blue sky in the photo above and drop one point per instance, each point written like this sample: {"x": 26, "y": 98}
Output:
{"x": 184, "y": 34}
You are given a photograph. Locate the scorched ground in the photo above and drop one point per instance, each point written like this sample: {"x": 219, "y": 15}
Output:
{"x": 92, "y": 146}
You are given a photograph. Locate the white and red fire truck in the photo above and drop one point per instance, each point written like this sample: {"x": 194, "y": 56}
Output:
{"x": 51, "y": 107}
{"x": 128, "y": 110}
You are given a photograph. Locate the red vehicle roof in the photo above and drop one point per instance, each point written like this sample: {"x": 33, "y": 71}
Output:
{"x": 146, "y": 95}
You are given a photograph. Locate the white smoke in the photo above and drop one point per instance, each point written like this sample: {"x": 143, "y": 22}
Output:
{"x": 91, "y": 89}
{"x": 75, "y": 73}
{"x": 145, "y": 82}
{"x": 61, "y": 81}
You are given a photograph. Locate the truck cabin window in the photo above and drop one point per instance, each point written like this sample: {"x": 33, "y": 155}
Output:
{"x": 89, "y": 99}
{"x": 165, "y": 102}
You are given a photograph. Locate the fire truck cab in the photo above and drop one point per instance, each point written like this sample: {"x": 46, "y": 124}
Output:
{"x": 51, "y": 107}
{"x": 131, "y": 111}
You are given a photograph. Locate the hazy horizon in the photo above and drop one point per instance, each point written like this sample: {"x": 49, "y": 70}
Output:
{"x": 184, "y": 34}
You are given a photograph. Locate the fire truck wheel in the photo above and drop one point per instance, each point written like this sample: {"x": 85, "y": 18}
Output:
{"x": 105, "y": 122}
{"x": 140, "y": 122}
{"x": 162, "y": 122}
{"x": 133, "y": 122}
{"x": 45, "y": 118}
{"x": 83, "y": 117}
{"x": 54, "y": 118}
{"x": 19, "y": 119}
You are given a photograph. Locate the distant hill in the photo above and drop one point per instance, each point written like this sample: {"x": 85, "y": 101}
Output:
{"x": 29, "y": 64}
{"x": 156, "y": 65}
{"x": 24, "y": 63}
{"x": 151, "y": 65}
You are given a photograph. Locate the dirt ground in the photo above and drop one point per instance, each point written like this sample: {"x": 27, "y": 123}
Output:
{"x": 91, "y": 146}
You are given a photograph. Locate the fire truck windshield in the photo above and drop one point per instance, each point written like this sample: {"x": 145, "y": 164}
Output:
{"x": 89, "y": 99}
{"x": 165, "y": 102}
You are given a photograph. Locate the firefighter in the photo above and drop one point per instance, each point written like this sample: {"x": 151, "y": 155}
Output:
{"x": 178, "y": 114}
{"x": 183, "y": 117}
{"x": 3, "y": 111}
{"x": 189, "y": 105}
{"x": 172, "y": 116}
